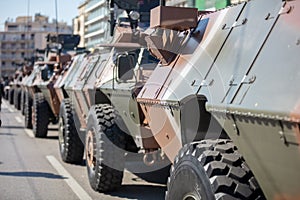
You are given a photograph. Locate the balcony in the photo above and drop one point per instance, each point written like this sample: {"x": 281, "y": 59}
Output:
{"x": 93, "y": 4}
{"x": 11, "y": 58}
{"x": 96, "y": 20}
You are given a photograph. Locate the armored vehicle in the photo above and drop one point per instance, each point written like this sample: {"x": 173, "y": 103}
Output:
{"x": 42, "y": 99}
{"x": 13, "y": 86}
{"x": 16, "y": 87}
{"x": 224, "y": 103}
{"x": 26, "y": 73}
{"x": 70, "y": 144}
{"x": 102, "y": 101}
{"x": 41, "y": 72}
{"x": 115, "y": 123}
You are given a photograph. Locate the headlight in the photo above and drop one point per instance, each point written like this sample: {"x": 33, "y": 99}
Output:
{"x": 134, "y": 15}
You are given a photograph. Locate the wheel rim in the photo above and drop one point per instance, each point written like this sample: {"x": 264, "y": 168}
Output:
{"x": 90, "y": 157}
{"x": 61, "y": 135}
{"x": 33, "y": 116}
{"x": 191, "y": 197}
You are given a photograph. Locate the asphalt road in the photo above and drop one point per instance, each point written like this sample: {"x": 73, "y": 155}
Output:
{"x": 31, "y": 168}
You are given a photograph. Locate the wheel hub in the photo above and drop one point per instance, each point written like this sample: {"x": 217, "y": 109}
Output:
{"x": 33, "y": 116}
{"x": 191, "y": 197}
{"x": 90, "y": 150}
{"x": 61, "y": 130}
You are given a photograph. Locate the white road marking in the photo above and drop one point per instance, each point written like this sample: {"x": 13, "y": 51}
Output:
{"x": 29, "y": 133}
{"x": 10, "y": 109}
{"x": 77, "y": 189}
{"x": 19, "y": 120}
{"x": 4, "y": 105}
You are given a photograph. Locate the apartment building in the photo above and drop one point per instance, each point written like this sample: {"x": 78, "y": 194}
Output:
{"x": 201, "y": 4}
{"x": 96, "y": 22}
{"x": 92, "y": 23}
{"x": 78, "y": 23}
{"x": 21, "y": 38}
{"x": 180, "y": 3}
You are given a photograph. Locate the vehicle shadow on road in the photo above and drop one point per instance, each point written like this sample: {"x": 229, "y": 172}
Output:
{"x": 7, "y": 134}
{"x": 52, "y": 129}
{"x": 140, "y": 192}
{"x": 52, "y": 137}
{"x": 12, "y": 127}
{"x": 32, "y": 174}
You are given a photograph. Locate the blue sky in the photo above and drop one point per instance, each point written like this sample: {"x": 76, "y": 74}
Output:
{"x": 67, "y": 9}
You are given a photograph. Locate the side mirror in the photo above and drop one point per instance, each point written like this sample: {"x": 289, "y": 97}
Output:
{"x": 125, "y": 64}
{"x": 47, "y": 72}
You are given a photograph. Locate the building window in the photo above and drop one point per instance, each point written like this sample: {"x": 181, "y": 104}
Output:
{"x": 32, "y": 36}
{"x": 23, "y": 37}
{"x": 78, "y": 26}
{"x": 28, "y": 27}
{"x": 12, "y": 27}
{"x": 22, "y": 54}
{"x": 3, "y": 63}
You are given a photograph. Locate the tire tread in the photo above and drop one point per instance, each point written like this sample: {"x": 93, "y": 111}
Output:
{"x": 229, "y": 175}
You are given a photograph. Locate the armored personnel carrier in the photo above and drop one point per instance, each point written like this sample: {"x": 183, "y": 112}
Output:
{"x": 12, "y": 90}
{"x": 42, "y": 105}
{"x": 101, "y": 104}
{"x": 26, "y": 73}
{"x": 224, "y": 103}
{"x": 17, "y": 89}
{"x": 70, "y": 145}
{"x": 42, "y": 71}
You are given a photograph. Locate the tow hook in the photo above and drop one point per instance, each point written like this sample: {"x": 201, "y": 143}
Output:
{"x": 150, "y": 158}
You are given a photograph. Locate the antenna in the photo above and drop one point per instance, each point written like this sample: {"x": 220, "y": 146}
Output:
{"x": 56, "y": 16}
{"x": 27, "y": 33}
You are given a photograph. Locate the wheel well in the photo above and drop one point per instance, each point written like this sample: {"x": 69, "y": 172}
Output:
{"x": 36, "y": 89}
{"x": 65, "y": 92}
{"x": 196, "y": 123}
{"x": 101, "y": 98}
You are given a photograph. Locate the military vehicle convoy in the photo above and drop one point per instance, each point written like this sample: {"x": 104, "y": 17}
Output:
{"x": 214, "y": 93}
{"x": 224, "y": 103}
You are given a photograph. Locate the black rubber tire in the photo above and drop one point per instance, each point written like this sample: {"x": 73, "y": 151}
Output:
{"x": 22, "y": 102}
{"x": 213, "y": 169}
{"x": 70, "y": 144}
{"x": 28, "y": 111}
{"x": 40, "y": 116}
{"x": 11, "y": 96}
{"x": 105, "y": 154}
{"x": 6, "y": 92}
{"x": 17, "y": 98}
